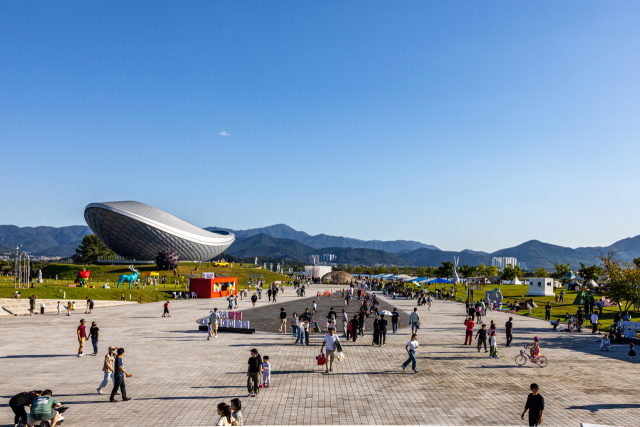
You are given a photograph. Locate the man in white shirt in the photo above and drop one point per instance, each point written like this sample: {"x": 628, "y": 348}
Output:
{"x": 330, "y": 341}
{"x": 411, "y": 351}
{"x": 594, "y": 323}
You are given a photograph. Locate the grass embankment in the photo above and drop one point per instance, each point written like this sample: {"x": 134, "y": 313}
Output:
{"x": 519, "y": 292}
{"x": 101, "y": 274}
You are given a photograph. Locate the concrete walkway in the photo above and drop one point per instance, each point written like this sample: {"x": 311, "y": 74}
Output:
{"x": 179, "y": 376}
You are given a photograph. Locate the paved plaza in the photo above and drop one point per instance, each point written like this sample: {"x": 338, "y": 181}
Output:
{"x": 179, "y": 377}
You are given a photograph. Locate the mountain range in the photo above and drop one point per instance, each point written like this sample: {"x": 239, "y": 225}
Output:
{"x": 283, "y": 231}
{"x": 284, "y": 242}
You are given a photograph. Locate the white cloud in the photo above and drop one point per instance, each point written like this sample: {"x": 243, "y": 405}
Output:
{"x": 224, "y": 133}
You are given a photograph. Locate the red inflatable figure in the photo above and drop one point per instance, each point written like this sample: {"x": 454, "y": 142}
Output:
{"x": 82, "y": 276}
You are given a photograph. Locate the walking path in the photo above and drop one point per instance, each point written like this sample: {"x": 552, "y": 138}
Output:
{"x": 179, "y": 377}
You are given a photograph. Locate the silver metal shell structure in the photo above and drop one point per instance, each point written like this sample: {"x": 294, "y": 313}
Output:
{"x": 138, "y": 231}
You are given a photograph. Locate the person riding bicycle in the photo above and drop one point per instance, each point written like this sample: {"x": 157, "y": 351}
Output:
{"x": 43, "y": 409}
{"x": 534, "y": 348}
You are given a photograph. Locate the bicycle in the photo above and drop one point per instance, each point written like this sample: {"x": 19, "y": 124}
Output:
{"x": 522, "y": 358}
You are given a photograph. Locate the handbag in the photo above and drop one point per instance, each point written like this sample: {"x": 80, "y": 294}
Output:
{"x": 340, "y": 357}
{"x": 321, "y": 359}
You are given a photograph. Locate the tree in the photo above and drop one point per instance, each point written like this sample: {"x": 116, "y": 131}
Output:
{"x": 431, "y": 271}
{"x": 407, "y": 270}
{"x": 382, "y": 270}
{"x": 561, "y": 270}
{"x": 446, "y": 270}
{"x": 510, "y": 272}
{"x": 359, "y": 269}
{"x": 593, "y": 272}
{"x": 395, "y": 270}
{"x": 90, "y": 249}
{"x": 636, "y": 261}
{"x": 372, "y": 270}
{"x": 540, "y": 272}
{"x": 492, "y": 271}
{"x": 421, "y": 271}
{"x": 482, "y": 270}
{"x": 468, "y": 270}
{"x": 349, "y": 269}
{"x": 623, "y": 280}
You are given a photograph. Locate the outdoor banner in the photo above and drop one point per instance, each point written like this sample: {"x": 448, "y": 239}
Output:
{"x": 208, "y": 275}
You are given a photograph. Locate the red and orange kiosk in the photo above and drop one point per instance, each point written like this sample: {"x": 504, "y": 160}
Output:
{"x": 214, "y": 288}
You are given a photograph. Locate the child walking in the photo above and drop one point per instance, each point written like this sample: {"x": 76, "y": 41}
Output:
{"x": 632, "y": 352}
{"x": 266, "y": 372}
{"x": 494, "y": 347}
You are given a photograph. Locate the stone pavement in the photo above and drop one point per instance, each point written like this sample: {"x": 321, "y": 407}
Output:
{"x": 14, "y": 307}
{"x": 179, "y": 377}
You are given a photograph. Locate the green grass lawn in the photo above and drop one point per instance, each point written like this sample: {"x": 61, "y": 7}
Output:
{"x": 101, "y": 274}
{"x": 519, "y": 292}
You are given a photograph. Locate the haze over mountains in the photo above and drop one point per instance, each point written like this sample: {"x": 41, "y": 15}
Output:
{"x": 282, "y": 241}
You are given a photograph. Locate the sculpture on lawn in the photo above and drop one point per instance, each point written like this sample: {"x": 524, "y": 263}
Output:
{"x": 129, "y": 277}
{"x": 167, "y": 259}
{"x": 82, "y": 276}
{"x": 456, "y": 261}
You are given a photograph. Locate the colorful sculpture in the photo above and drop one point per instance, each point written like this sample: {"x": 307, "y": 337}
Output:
{"x": 129, "y": 277}
{"x": 82, "y": 276}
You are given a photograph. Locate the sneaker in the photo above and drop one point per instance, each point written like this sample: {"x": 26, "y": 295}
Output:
{"x": 124, "y": 399}
{"x": 99, "y": 390}
{"x": 490, "y": 357}
{"x": 80, "y": 354}
{"x": 326, "y": 371}
{"x": 208, "y": 338}
{"x": 118, "y": 393}
{"x": 497, "y": 357}
{"x": 404, "y": 369}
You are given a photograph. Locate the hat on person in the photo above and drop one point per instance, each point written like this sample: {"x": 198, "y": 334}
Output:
{"x": 331, "y": 326}
{"x": 111, "y": 348}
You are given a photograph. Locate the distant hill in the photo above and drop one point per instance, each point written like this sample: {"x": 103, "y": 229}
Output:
{"x": 538, "y": 254}
{"x": 425, "y": 257}
{"x": 38, "y": 240}
{"x": 263, "y": 245}
{"x": 283, "y": 231}
{"x": 628, "y": 249}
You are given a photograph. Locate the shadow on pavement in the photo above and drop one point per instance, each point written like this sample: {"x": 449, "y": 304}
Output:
{"x": 596, "y": 408}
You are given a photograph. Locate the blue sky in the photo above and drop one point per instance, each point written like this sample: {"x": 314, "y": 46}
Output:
{"x": 459, "y": 124}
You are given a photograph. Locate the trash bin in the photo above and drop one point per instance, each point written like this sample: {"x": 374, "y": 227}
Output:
{"x": 41, "y": 308}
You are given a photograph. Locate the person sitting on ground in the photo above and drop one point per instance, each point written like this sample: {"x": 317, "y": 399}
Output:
{"x": 605, "y": 344}
{"x": 42, "y": 409}
{"x": 570, "y": 326}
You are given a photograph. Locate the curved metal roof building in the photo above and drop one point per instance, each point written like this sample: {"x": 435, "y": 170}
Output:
{"x": 138, "y": 231}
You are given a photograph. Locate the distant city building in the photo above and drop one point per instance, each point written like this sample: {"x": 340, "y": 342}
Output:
{"x": 327, "y": 257}
{"x": 316, "y": 271}
{"x": 314, "y": 259}
{"x": 502, "y": 262}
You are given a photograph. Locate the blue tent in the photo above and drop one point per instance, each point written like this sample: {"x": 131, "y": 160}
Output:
{"x": 439, "y": 280}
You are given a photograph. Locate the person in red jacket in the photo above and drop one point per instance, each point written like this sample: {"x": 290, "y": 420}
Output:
{"x": 469, "y": 336}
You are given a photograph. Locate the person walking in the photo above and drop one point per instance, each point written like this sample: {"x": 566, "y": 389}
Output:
{"x": 108, "y": 370}
{"x": 266, "y": 372}
{"x": 120, "y": 374}
{"x": 493, "y": 346}
{"x": 330, "y": 341}
{"x": 354, "y": 328}
{"x": 411, "y": 351}
{"x": 165, "y": 312}
{"x": 294, "y": 325}
{"x": 269, "y": 292}
{"x": 562, "y": 296}
{"x": 214, "y": 322}
{"x": 18, "y": 403}
{"x": 481, "y": 337}
{"x": 254, "y": 371}
{"x": 395, "y": 317}
{"x": 414, "y": 320}
{"x": 254, "y": 299}
{"x": 94, "y": 333}
{"x": 509, "y": 328}
{"x": 82, "y": 335}
{"x": 32, "y": 304}
{"x": 345, "y": 321}
{"x": 594, "y": 323}
{"x": 69, "y": 307}
{"x": 59, "y": 307}
{"x": 283, "y": 321}
{"x": 535, "y": 406}
{"x": 469, "y": 324}
{"x": 382, "y": 330}
{"x": 547, "y": 312}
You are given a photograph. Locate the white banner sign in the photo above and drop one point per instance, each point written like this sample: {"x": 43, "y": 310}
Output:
{"x": 208, "y": 275}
